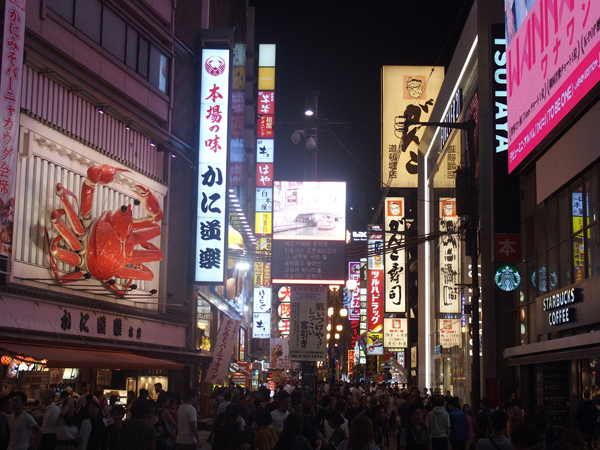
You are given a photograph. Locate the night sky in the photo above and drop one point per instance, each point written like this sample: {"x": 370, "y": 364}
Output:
{"x": 338, "y": 48}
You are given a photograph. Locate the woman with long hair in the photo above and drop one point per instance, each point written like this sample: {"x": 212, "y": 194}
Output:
{"x": 291, "y": 437}
{"x": 93, "y": 429}
{"x": 66, "y": 426}
{"x": 361, "y": 435}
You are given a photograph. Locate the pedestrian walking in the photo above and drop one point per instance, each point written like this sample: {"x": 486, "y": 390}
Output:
{"x": 497, "y": 439}
{"x": 415, "y": 435}
{"x": 21, "y": 424}
{"x": 438, "y": 422}
{"x": 459, "y": 428}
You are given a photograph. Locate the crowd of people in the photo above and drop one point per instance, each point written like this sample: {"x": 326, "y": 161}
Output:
{"x": 348, "y": 416}
{"x": 91, "y": 422}
{"x": 369, "y": 416}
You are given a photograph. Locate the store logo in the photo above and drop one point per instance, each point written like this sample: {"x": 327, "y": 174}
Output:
{"x": 215, "y": 66}
{"x": 507, "y": 278}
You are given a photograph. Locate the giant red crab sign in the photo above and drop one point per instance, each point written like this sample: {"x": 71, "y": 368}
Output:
{"x": 104, "y": 248}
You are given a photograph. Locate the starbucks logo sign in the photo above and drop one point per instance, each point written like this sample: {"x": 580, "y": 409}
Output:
{"x": 507, "y": 278}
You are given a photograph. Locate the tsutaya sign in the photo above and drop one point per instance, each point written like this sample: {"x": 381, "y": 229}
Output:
{"x": 211, "y": 227}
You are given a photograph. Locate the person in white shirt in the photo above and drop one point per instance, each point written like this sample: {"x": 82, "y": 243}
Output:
{"x": 48, "y": 441}
{"x": 280, "y": 414}
{"x": 187, "y": 423}
{"x": 498, "y": 420}
{"x": 21, "y": 424}
{"x": 226, "y": 401}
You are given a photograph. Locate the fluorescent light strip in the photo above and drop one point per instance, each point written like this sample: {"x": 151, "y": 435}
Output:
{"x": 427, "y": 227}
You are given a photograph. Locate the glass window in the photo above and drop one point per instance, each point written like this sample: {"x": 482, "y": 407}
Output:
{"x": 564, "y": 215}
{"x": 553, "y": 269}
{"x": 593, "y": 253}
{"x": 523, "y": 326}
{"x": 542, "y": 278}
{"x": 143, "y": 56}
{"x": 564, "y": 250}
{"x": 529, "y": 238}
{"x": 113, "y": 34}
{"x": 593, "y": 202}
{"x": 64, "y": 8}
{"x": 529, "y": 194}
{"x": 540, "y": 231}
{"x": 552, "y": 223}
{"x": 159, "y": 69}
{"x": 531, "y": 280}
{"x": 88, "y": 14}
{"x": 132, "y": 45}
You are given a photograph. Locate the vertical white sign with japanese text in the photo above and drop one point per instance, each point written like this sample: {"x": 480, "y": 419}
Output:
{"x": 10, "y": 109}
{"x": 395, "y": 291}
{"x": 211, "y": 229}
{"x": 228, "y": 336}
{"x": 375, "y": 292}
{"x": 308, "y": 334}
{"x": 449, "y": 253}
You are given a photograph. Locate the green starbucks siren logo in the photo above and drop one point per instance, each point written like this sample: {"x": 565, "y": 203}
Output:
{"x": 507, "y": 278}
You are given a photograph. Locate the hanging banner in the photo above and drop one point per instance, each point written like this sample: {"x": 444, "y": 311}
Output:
{"x": 308, "y": 334}
{"x": 228, "y": 336}
{"x": 395, "y": 257}
{"x": 449, "y": 253}
{"x": 408, "y": 92}
{"x": 280, "y": 351}
{"x": 10, "y": 110}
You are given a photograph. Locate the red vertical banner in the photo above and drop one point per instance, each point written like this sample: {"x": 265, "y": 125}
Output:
{"x": 10, "y": 100}
{"x": 375, "y": 291}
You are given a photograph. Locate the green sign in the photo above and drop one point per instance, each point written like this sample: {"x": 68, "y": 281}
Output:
{"x": 507, "y": 278}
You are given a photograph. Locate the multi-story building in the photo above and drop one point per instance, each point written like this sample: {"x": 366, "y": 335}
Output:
{"x": 114, "y": 83}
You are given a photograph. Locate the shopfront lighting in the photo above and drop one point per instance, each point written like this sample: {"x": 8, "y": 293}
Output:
{"x": 343, "y": 312}
{"x": 339, "y": 327}
{"x": 337, "y": 335}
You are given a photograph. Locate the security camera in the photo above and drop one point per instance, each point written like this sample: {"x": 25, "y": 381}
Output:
{"x": 296, "y": 137}
{"x": 311, "y": 143}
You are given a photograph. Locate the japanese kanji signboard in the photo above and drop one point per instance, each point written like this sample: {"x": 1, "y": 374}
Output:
{"x": 395, "y": 292}
{"x": 375, "y": 292}
{"x": 410, "y": 92}
{"x": 10, "y": 99}
{"x": 308, "y": 334}
{"x": 228, "y": 336}
{"x": 449, "y": 251}
{"x": 211, "y": 233}
{"x": 395, "y": 334}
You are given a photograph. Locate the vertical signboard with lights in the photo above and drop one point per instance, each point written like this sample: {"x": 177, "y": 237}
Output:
{"x": 395, "y": 292}
{"x": 265, "y": 148}
{"x": 375, "y": 291}
{"x": 449, "y": 254}
{"x": 211, "y": 228}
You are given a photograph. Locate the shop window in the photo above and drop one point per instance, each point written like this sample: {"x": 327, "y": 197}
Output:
{"x": 552, "y": 223}
{"x": 540, "y": 231}
{"x": 593, "y": 253}
{"x": 566, "y": 265}
{"x": 531, "y": 279}
{"x": 64, "y": 8}
{"x": 592, "y": 194}
{"x": 88, "y": 14}
{"x": 523, "y": 326}
{"x": 531, "y": 329}
{"x": 553, "y": 268}
{"x": 113, "y": 34}
{"x": 589, "y": 376}
{"x": 564, "y": 216}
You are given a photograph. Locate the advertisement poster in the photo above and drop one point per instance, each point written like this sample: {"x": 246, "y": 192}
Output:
{"x": 308, "y": 334}
{"x": 395, "y": 334}
{"x": 280, "y": 353}
{"x": 408, "y": 92}
{"x": 449, "y": 253}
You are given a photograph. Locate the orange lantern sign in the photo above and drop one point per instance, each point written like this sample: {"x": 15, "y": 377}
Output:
{"x": 5, "y": 360}
{"x": 29, "y": 360}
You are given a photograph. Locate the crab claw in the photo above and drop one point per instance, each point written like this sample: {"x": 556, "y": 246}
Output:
{"x": 150, "y": 202}
{"x": 103, "y": 174}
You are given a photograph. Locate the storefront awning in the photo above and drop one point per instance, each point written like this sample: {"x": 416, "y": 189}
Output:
{"x": 92, "y": 359}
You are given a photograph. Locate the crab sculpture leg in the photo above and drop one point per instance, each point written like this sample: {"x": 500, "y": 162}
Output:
{"x": 78, "y": 231}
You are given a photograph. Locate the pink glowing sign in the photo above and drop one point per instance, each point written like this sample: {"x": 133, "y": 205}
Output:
{"x": 553, "y": 61}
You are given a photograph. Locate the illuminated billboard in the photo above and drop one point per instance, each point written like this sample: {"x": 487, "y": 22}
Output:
{"x": 309, "y": 230}
{"x": 552, "y": 63}
{"x": 211, "y": 227}
{"x": 411, "y": 92}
